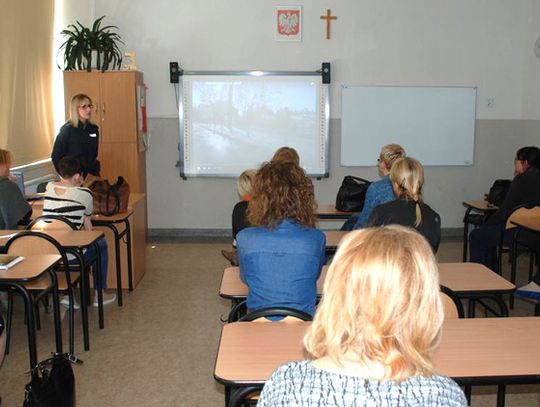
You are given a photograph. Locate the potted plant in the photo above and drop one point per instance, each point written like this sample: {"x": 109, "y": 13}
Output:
{"x": 83, "y": 42}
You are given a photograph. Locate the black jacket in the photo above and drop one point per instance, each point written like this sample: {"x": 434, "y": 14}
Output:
{"x": 80, "y": 142}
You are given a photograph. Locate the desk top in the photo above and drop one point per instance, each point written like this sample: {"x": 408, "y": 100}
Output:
{"x": 69, "y": 239}
{"x": 333, "y": 237}
{"x": 30, "y": 268}
{"x": 480, "y": 205}
{"x": 460, "y": 277}
{"x": 532, "y": 224}
{"x": 330, "y": 212}
{"x": 480, "y": 348}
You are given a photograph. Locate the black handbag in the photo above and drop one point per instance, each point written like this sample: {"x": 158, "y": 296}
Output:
{"x": 498, "y": 191}
{"x": 351, "y": 194}
{"x": 53, "y": 383}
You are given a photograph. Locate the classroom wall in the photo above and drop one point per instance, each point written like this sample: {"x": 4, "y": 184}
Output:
{"x": 483, "y": 43}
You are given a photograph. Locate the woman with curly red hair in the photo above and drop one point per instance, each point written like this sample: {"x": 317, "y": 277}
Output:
{"x": 281, "y": 256}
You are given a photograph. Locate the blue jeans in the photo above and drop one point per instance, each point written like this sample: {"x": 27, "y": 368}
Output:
{"x": 104, "y": 252}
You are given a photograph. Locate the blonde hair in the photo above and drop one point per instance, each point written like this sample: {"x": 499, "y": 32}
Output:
{"x": 381, "y": 304}
{"x": 390, "y": 153}
{"x": 244, "y": 182}
{"x": 286, "y": 154}
{"x": 6, "y": 158}
{"x": 74, "y": 108}
{"x": 408, "y": 174}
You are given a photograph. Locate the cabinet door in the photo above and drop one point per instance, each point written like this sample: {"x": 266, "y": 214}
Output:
{"x": 76, "y": 82}
{"x": 118, "y": 113}
{"x": 125, "y": 160}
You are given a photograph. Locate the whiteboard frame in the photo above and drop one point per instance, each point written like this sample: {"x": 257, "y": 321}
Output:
{"x": 464, "y": 164}
{"x": 182, "y": 123}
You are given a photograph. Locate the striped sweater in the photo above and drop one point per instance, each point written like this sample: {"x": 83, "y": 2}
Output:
{"x": 73, "y": 204}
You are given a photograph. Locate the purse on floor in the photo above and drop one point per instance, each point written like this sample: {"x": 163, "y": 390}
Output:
{"x": 351, "y": 194}
{"x": 110, "y": 199}
{"x": 53, "y": 383}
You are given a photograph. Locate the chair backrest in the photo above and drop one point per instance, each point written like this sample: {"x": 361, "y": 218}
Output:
{"x": 51, "y": 222}
{"x": 289, "y": 314}
{"x": 522, "y": 213}
{"x": 33, "y": 242}
{"x": 452, "y": 304}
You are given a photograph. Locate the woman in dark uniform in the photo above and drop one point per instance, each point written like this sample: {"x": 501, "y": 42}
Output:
{"x": 79, "y": 137}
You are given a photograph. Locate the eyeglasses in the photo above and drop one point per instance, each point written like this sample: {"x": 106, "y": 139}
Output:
{"x": 86, "y": 107}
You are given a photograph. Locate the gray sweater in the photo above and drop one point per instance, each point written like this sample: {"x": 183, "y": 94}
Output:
{"x": 299, "y": 384}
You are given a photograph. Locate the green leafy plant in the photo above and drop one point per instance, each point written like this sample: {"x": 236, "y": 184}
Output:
{"x": 81, "y": 41}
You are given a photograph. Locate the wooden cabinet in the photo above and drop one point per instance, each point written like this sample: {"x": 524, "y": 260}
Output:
{"x": 114, "y": 94}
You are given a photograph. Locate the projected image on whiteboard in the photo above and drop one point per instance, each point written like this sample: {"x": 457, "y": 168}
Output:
{"x": 238, "y": 123}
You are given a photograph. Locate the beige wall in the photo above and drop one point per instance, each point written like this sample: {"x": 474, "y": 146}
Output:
{"x": 487, "y": 44}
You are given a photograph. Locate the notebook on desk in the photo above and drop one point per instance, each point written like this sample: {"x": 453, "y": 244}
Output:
{"x": 9, "y": 260}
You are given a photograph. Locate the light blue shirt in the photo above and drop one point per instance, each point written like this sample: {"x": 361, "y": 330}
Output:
{"x": 378, "y": 192}
{"x": 281, "y": 265}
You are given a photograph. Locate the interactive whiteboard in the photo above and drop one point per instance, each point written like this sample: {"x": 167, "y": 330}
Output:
{"x": 233, "y": 121}
{"x": 434, "y": 124}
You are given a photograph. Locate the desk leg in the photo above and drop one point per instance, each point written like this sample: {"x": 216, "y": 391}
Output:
{"x": 471, "y": 312}
{"x": 99, "y": 288}
{"x": 513, "y": 254}
{"x": 129, "y": 264}
{"x": 466, "y": 233}
{"x": 84, "y": 299}
{"x": 56, "y": 311}
{"x": 501, "y": 393}
{"x": 117, "y": 237}
{"x": 30, "y": 323}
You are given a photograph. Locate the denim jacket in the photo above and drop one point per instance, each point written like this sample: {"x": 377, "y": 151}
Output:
{"x": 281, "y": 265}
{"x": 378, "y": 192}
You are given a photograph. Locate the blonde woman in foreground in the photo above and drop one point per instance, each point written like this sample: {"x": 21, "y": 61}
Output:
{"x": 374, "y": 333}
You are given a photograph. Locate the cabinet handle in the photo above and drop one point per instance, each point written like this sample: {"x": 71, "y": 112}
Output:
{"x": 103, "y": 109}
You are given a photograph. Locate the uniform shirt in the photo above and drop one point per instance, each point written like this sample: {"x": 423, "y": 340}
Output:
{"x": 74, "y": 204}
{"x": 378, "y": 192}
{"x": 13, "y": 205}
{"x": 300, "y": 384}
{"x": 403, "y": 212}
{"x": 281, "y": 265}
{"x": 80, "y": 142}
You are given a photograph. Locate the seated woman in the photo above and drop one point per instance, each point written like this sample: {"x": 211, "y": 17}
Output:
{"x": 378, "y": 192}
{"x": 373, "y": 336}
{"x": 281, "y": 256}
{"x": 286, "y": 154}
{"x": 524, "y": 190}
{"x": 13, "y": 206}
{"x": 239, "y": 214}
{"x": 407, "y": 176}
{"x": 69, "y": 199}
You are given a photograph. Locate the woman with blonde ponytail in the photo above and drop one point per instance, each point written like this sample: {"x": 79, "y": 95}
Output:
{"x": 372, "y": 340}
{"x": 407, "y": 176}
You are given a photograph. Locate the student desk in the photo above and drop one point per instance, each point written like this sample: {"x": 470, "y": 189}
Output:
{"x": 32, "y": 268}
{"x": 482, "y": 207}
{"x": 74, "y": 242}
{"x": 330, "y": 212}
{"x": 470, "y": 281}
{"x": 129, "y": 227}
{"x": 333, "y": 237}
{"x": 481, "y": 351}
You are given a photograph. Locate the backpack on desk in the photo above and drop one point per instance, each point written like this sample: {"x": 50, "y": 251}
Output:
{"x": 498, "y": 191}
{"x": 351, "y": 194}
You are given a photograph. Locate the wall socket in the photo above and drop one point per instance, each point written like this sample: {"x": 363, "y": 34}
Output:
{"x": 490, "y": 102}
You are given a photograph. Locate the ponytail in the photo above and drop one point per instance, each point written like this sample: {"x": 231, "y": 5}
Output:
{"x": 408, "y": 173}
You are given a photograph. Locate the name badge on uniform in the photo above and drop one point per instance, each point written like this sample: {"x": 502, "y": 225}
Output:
{"x": 93, "y": 135}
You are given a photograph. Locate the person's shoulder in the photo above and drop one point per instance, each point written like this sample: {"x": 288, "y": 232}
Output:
{"x": 298, "y": 368}
{"x": 8, "y": 186}
{"x": 83, "y": 191}
{"x": 441, "y": 387}
{"x": 66, "y": 129}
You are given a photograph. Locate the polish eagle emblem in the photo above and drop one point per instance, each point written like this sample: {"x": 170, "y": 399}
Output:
{"x": 288, "y": 22}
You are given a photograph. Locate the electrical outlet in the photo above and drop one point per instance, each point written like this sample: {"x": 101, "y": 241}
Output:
{"x": 490, "y": 102}
{"x": 173, "y": 71}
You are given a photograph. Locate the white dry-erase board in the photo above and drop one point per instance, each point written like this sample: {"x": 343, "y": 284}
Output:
{"x": 434, "y": 124}
{"x": 233, "y": 121}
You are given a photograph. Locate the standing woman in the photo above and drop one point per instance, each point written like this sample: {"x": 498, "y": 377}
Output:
{"x": 79, "y": 137}
{"x": 281, "y": 256}
{"x": 409, "y": 209}
{"x": 372, "y": 340}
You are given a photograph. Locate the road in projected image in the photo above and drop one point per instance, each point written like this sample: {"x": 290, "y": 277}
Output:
{"x": 238, "y": 125}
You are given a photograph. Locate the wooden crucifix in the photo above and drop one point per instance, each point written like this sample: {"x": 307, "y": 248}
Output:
{"x": 328, "y": 17}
